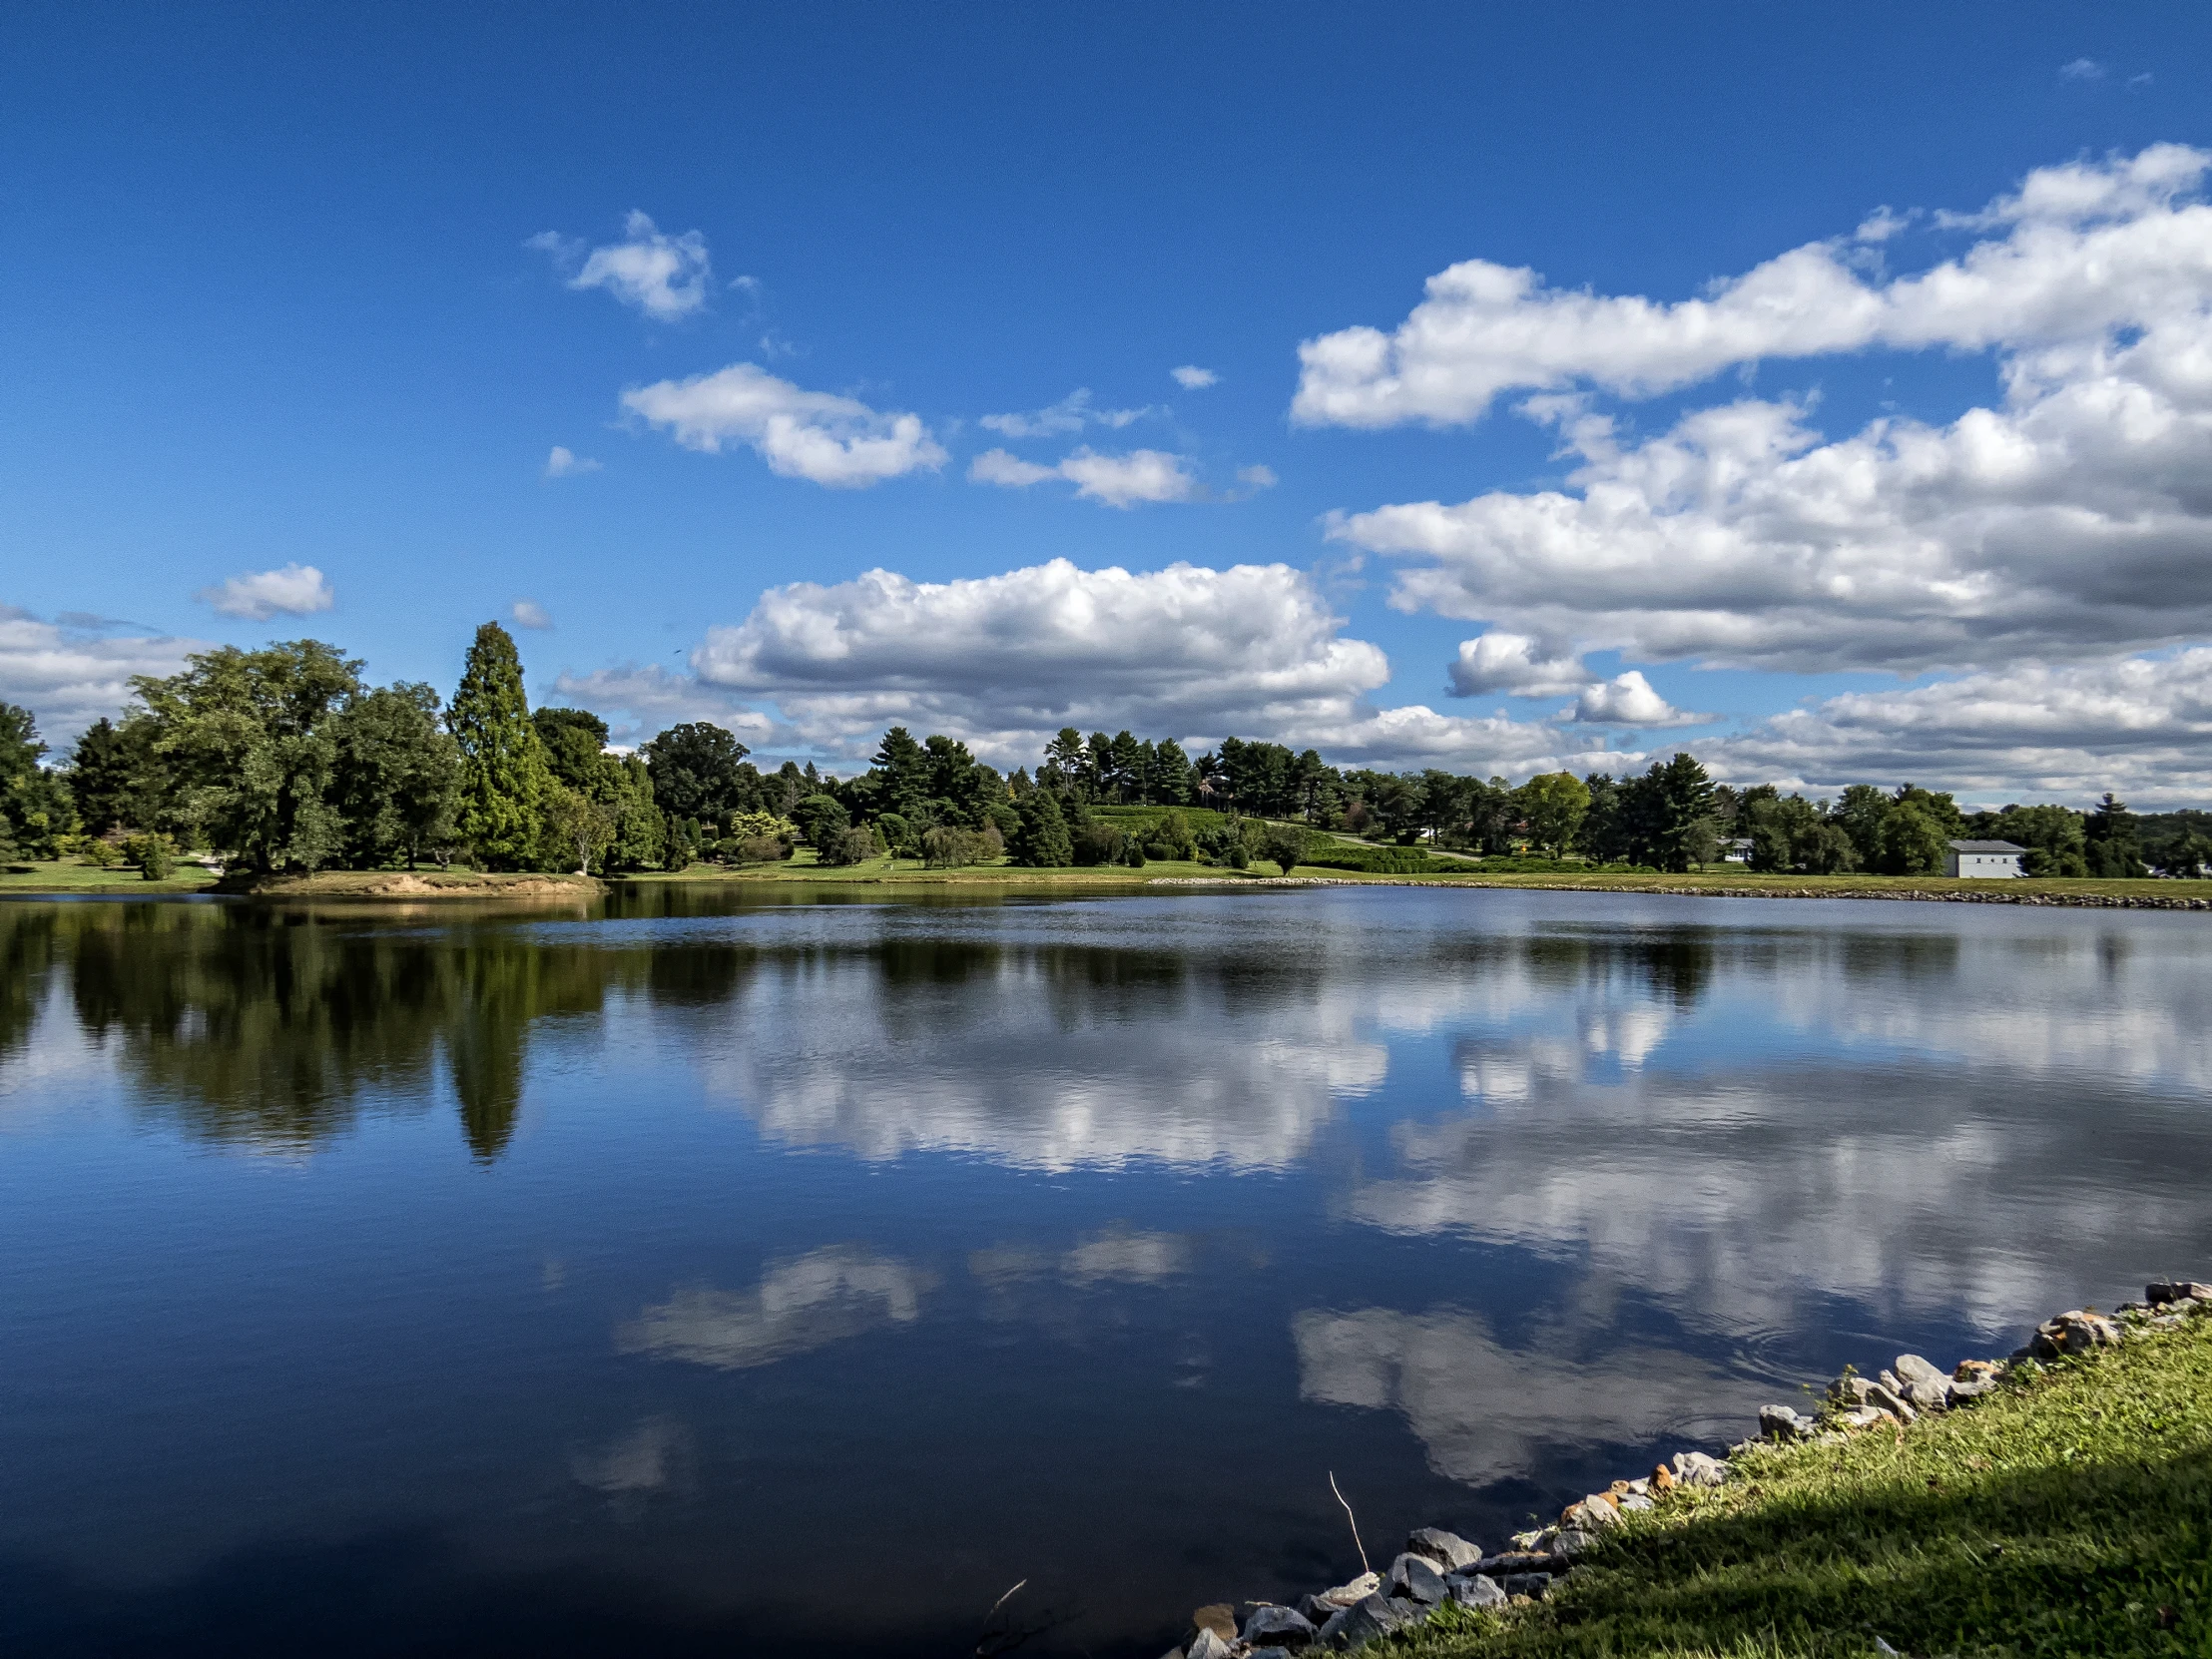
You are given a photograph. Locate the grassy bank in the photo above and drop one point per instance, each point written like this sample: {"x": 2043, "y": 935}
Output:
{"x": 69, "y": 876}
{"x": 2068, "y": 1514}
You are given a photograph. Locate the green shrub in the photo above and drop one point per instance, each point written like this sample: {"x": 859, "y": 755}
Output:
{"x": 153, "y": 855}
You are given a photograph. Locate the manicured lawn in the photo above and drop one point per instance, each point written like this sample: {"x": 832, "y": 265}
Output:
{"x": 2068, "y": 1514}
{"x": 69, "y": 876}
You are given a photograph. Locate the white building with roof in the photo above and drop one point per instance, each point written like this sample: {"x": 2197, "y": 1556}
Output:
{"x": 1983, "y": 859}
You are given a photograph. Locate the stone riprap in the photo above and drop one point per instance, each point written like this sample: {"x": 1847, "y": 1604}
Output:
{"x": 1438, "y": 1566}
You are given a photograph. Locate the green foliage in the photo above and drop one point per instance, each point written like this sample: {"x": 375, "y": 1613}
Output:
{"x": 821, "y": 819}
{"x": 110, "y": 775}
{"x": 2111, "y": 848}
{"x": 853, "y": 844}
{"x": 396, "y": 782}
{"x": 1553, "y": 806}
{"x": 505, "y": 780}
{"x": 947, "y": 847}
{"x": 2054, "y": 836}
{"x": 577, "y": 827}
{"x": 696, "y": 773}
{"x": 36, "y": 808}
{"x": 1912, "y": 843}
{"x": 1094, "y": 842}
{"x": 1381, "y": 860}
{"x": 152, "y": 854}
{"x": 1042, "y": 841}
{"x": 1285, "y": 845}
{"x": 248, "y": 743}
{"x": 574, "y": 741}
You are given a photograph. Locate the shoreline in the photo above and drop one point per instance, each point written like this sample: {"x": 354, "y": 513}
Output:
{"x": 446, "y": 887}
{"x": 1840, "y": 1514}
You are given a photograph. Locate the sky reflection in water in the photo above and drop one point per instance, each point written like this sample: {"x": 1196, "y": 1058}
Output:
{"x": 538, "y": 1282}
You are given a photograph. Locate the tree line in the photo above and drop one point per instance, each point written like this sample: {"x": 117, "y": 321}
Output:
{"x": 284, "y": 760}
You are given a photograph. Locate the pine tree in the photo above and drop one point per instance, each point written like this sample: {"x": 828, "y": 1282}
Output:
{"x": 1042, "y": 841}
{"x": 505, "y": 780}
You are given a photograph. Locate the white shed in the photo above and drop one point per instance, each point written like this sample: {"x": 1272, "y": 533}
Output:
{"x": 1983, "y": 859}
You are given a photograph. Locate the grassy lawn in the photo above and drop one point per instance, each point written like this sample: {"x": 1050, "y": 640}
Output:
{"x": 2068, "y": 1514}
{"x": 800, "y": 867}
{"x": 69, "y": 876}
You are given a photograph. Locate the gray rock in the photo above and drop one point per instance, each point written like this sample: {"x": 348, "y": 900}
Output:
{"x": 2176, "y": 1290}
{"x": 1352, "y": 1594}
{"x": 1219, "y": 1617}
{"x": 1961, "y": 1393}
{"x": 1861, "y": 1417}
{"x": 1416, "y": 1578}
{"x": 1279, "y": 1627}
{"x": 1887, "y": 1400}
{"x": 1471, "y": 1589}
{"x": 1592, "y": 1515}
{"x": 1912, "y": 1368}
{"x": 1206, "y": 1645}
{"x": 1515, "y": 1560}
{"x": 1447, "y": 1549}
{"x": 1636, "y": 1501}
{"x": 1779, "y": 1422}
{"x": 1377, "y": 1616}
{"x": 1697, "y": 1468}
{"x": 1533, "y": 1584}
{"x": 1926, "y": 1396}
{"x": 2074, "y": 1331}
{"x": 1569, "y": 1545}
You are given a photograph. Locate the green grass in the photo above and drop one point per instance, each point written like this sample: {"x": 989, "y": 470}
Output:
{"x": 802, "y": 869}
{"x": 67, "y": 875}
{"x": 2068, "y": 1514}
{"x": 1832, "y": 887}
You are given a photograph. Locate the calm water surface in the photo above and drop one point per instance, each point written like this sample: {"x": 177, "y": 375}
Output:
{"x": 688, "y": 1273}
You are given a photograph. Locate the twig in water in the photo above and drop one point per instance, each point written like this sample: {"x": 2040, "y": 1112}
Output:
{"x": 1002, "y": 1601}
{"x": 1354, "y": 1519}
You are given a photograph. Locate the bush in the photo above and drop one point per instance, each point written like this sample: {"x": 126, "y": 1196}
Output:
{"x": 1285, "y": 845}
{"x": 760, "y": 849}
{"x": 1097, "y": 843}
{"x": 848, "y": 846}
{"x": 153, "y": 855}
{"x": 99, "y": 853}
{"x": 947, "y": 847}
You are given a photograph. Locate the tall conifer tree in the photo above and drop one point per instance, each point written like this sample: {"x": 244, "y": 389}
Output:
{"x": 504, "y": 776}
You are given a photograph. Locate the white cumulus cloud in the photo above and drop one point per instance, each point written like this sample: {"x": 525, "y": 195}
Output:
{"x": 2072, "y": 520}
{"x": 1498, "y": 661}
{"x": 69, "y": 677}
{"x": 1628, "y": 700}
{"x": 2140, "y": 726}
{"x": 1002, "y": 661}
{"x": 564, "y": 462}
{"x": 528, "y": 613}
{"x": 820, "y": 437}
{"x": 664, "y": 277}
{"x": 2086, "y": 248}
{"x": 294, "y": 590}
{"x": 1193, "y": 379}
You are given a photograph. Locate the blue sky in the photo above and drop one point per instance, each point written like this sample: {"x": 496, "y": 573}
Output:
{"x": 292, "y": 287}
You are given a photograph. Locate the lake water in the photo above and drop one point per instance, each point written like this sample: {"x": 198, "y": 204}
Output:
{"x": 691, "y": 1273}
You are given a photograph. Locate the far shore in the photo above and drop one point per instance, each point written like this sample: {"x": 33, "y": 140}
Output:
{"x": 442, "y": 886}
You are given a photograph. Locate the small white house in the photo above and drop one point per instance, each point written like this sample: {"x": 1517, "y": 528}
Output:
{"x": 1983, "y": 859}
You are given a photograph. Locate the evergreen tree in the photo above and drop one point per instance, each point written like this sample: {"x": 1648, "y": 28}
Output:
{"x": 903, "y": 769}
{"x": 1042, "y": 842}
{"x": 2114, "y": 849}
{"x": 36, "y": 808}
{"x": 575, "y": 740}
{"x": 505, "y": 780}
{"x": 109, "y": 774}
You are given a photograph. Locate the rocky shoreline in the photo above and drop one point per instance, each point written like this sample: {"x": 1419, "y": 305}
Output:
{"x": 1437, "y": 1567}
{"x": 1995, "y": 893}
